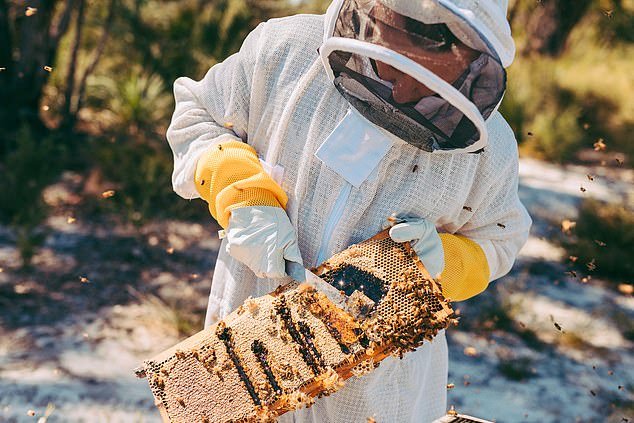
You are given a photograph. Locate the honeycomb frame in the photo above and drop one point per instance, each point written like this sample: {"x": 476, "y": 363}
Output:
{"x": 278, "y": 352}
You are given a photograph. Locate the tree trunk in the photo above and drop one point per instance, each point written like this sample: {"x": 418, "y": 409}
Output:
{"x": 549, "y": 24}
{"x": 5, "y": 58}
{"x": 34, "y": 54}
{"x": 95, "y": 59}
{"x": 68, "y": 117}
{"x": 35, "y": 41}
{"x": 5, "y": 38}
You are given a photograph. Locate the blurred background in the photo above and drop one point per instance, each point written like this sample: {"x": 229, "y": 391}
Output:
{"x": 102, "y": 265}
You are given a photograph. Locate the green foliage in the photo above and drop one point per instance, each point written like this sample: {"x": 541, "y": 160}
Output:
{"x": 141, "y": 173}
{"x": 135, "y": 101}
{"x": 546, "y": 117}
{"x": 604, "y": 235}
{"x": 619, "y": 25}
{"x": 569, "y": 101}
{"x": 558, "y": 132}
{"x": 29, "y": 163}
{"x": 565, "y": 102}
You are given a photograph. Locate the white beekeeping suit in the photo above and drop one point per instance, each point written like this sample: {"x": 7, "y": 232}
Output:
{"x": 277, "y": 95}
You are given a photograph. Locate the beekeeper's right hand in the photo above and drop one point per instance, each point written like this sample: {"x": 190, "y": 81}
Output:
{"x": 249, "y": 204}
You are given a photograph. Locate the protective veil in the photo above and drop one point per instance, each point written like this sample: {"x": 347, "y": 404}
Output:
{"x": 279, "y": 98}
{"x": 367, "y": 39}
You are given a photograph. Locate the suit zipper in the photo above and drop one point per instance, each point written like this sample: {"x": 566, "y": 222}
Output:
{"x": 333, "y": 220}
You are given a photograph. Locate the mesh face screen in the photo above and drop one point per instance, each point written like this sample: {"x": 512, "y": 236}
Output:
{"x": 392, "y": 98}
{"x": 275, "y": 353}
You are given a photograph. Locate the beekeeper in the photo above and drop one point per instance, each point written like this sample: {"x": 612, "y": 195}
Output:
{"x": 321, "y": 127}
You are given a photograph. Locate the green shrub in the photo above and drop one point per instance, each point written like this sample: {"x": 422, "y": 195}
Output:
{"x": 557, "y": 135}
{"x": 604, "y": 235}
{"x": 135, "y": 101}
{"x": 569, "y": 101}
{"x": 29, "y": 164}
{"x": 140, "y": 172}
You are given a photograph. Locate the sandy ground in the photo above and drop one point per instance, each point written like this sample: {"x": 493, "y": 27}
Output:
{"x": 537, "y": 346}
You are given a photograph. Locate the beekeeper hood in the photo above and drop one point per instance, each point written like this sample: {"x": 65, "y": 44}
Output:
{"x": 428, "y": 71}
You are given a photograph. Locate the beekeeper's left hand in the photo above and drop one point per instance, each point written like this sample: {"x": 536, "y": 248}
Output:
{"x": 459, "y": 261}
{"x": 425, "y": 242}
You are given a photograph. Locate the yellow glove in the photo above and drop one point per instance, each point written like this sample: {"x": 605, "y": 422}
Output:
{"x": 230, "y": 176}
{"x": 466, "y": 273}
{"x": 461, "y": 263}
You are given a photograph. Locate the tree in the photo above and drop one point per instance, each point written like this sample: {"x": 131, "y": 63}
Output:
{"x": 547, "y": 23}
{"x": 28, "y": 46}
{"x": 29, "y": 43}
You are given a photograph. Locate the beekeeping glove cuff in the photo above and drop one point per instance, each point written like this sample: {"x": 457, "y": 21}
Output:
{"x": 459, "y": 262}
{"x": 229, "y": 176}
{"x": 264, "y": 239}
{"x": 466, "y": 273}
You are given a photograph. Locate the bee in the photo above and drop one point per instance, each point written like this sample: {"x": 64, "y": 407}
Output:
{"x": 159, "y": 382}
{"x": 304, "y": 288}
{"x": 599, "y": 145}
{"x": 567, "y": 225}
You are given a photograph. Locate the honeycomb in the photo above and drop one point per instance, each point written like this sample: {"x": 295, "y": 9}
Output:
{"x": 278, "y": 352}
{"x": 409, "y": 306}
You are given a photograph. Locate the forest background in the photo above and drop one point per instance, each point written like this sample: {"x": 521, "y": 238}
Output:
{"x": 88, "y": 83}
{"x": 86, "y": 202}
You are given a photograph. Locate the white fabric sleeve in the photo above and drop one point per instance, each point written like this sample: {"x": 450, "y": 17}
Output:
{"x": 501, "y": 224}
{"x": 212, "y": 110}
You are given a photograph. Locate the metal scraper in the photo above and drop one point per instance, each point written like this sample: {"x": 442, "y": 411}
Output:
{"x": 333, "y": 294}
